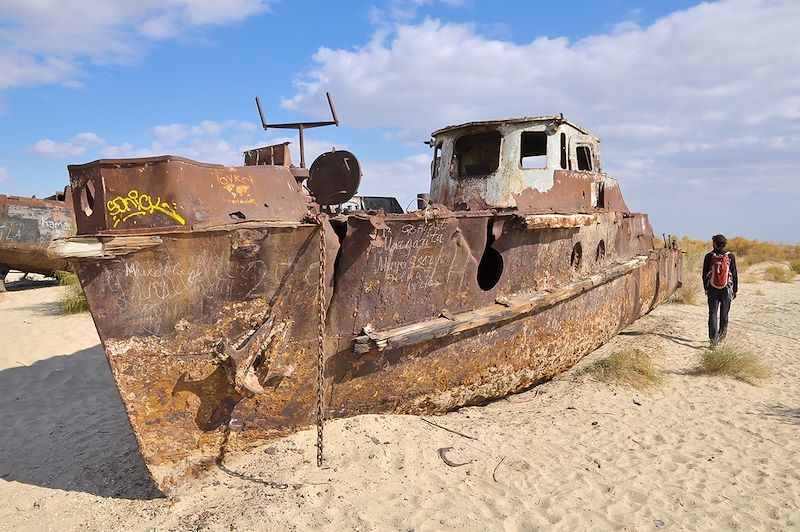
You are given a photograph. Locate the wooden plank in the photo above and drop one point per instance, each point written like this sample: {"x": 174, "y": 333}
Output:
{"x": 498, "y": 312}
{"x": 99, "y": 247}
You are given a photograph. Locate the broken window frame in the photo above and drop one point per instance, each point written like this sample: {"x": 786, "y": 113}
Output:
{"x": 457, "y": 166}
{"x": 437, "y": 159}
{"x": 589, "y": 157}
{"x": 522, "y": 154}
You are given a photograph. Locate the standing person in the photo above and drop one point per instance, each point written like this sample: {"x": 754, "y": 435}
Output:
{"x": 721, "y": 282}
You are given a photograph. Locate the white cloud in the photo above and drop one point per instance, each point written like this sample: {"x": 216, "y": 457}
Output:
{"x": 50, "y": 41}
{"x": 73, "y": 84}
{"x": 405, "y": 10}
{"x": 211, "y": 127}
{"x": 707, "y": 95}
{"x": 207, "y": 141}
{"x": 3, "y": 173}
{"x": 170, "y": 134}
{"x": 75, "y": 146}
{"x": 51, "y": 148}
{"x": 125, "y": 151}
{"x": 87, "y": 139}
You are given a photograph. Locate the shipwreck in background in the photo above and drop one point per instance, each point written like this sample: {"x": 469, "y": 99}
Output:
{"x": 27, "y": 226}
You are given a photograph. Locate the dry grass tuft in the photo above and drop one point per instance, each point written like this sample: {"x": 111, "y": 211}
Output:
{"x": 779, "y": 274}
{"x": 74, "y": 300}
{"x": 733, "y": 360}
{"x": 632, "y": 366}
{"x": 690, "y": 291}
{"x": 794, "y": 264}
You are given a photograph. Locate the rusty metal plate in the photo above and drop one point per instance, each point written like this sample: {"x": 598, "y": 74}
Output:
{"x": 129, "y": 196}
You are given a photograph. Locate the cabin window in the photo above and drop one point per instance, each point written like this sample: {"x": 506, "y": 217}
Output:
{"x": 476, "y": 155}
{"x": 437, "y": 156}
{"x": 584, "y": 154}
{"x": 533, "y": 149}
{"x": 564, "y": 151}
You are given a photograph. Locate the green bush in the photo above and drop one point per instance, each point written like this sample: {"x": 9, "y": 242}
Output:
{"x": 74, "y": 300}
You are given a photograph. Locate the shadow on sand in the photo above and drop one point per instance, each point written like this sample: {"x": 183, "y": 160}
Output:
{"x": 784, "y": 414}
{"x": 686, "y": 342}
{"x": 64, "y": 427}
{"x": 29, "y": 284}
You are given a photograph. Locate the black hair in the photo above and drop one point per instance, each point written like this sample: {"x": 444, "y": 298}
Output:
{"x": 719, "y": 241}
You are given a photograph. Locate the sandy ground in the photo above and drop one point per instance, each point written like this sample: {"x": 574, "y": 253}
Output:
{"x": 698, "y": 453}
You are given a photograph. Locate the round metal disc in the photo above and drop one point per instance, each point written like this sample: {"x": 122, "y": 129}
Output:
{"x": 334, "y": 177}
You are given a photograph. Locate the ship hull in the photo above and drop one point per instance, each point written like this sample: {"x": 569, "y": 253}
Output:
{"x": 170, "y": 312}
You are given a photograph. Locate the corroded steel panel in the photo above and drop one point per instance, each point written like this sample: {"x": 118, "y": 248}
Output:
{"x": 574, "y": 192}
{"x": 171, "y": 193}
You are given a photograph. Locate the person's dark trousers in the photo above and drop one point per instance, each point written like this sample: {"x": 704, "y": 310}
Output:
{"x": 719, "y": 303}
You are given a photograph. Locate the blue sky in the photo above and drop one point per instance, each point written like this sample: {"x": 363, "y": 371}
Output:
{"x": 698, "y": 105}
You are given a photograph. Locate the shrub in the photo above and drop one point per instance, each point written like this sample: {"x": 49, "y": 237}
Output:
{"x": 691, "y": 290}
{"x": 632, "y": 366}
{"x": 779, "y": 274}
{"x": 747, "y": 251}
{"x": 733, "y": 360}
{"x": 73, "y": 300}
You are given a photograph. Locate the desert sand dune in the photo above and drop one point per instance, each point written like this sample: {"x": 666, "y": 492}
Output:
{"x": 697, "y": 453}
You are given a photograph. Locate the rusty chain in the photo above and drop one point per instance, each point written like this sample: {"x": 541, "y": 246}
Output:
{"x": 321, "y": 219}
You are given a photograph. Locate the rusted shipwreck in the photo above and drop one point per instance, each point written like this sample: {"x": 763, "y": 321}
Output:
{"x": 204, "y": 283}
{"x": 27, "y": 226}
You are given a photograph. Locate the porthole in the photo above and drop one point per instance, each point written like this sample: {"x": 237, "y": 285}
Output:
{"x": 577, "y": 255}
{"x": 600, "y": 254}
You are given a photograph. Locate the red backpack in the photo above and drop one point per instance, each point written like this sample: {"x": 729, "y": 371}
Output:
{"x": 720, "y": 271}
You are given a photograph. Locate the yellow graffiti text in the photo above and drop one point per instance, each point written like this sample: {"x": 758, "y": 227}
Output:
{"x": 122, "y": 208}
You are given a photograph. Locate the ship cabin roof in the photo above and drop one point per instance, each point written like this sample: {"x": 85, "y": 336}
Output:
{"x": 556, "y": 120}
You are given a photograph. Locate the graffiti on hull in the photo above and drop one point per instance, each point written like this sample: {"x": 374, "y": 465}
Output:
{"x": 123, "y": 208}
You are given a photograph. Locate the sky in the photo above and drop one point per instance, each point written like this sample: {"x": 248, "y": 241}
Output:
{"x": 697, "y": 104}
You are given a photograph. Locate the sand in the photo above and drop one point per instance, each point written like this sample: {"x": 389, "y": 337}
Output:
{"x": 697, "y": 453}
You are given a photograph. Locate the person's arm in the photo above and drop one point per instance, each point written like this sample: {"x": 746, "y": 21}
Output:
{"x": 706, "y": 268}
{"x": 734, "y": 275}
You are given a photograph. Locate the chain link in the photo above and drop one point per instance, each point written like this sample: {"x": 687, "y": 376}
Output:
{"x": 321, "y": 220}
